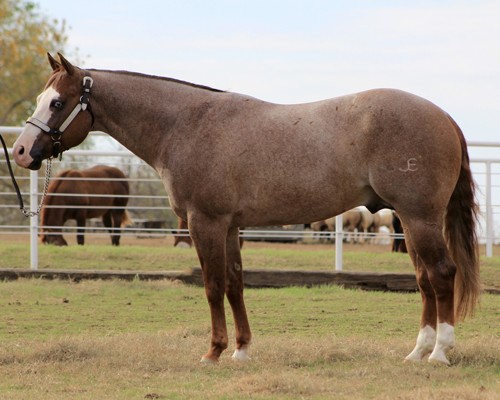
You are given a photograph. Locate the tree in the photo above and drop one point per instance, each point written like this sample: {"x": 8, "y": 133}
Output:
{"x": 26, "y": 35}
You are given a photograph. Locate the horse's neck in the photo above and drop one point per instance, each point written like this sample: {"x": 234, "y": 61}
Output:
{"x": 53, "y": 217}
{"x": 139, "y": 111}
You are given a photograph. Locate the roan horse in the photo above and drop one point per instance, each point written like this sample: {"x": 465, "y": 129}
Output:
{"x": 229, "y": 161}
{"x": 100, "y": 191}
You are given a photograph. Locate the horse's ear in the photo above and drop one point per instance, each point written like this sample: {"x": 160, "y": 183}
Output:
{"x": 53, "y": 62}
{"x": 66, "y": 64}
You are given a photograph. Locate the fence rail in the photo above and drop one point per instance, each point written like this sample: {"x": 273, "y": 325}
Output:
{"x": 486, "y": 171}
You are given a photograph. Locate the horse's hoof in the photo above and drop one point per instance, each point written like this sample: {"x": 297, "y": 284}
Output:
{"x": 208, "y": 361}
{"x": 438, "y": 359}
{"x": 411, "y": 359}
{"x": 417, "y": 354}
{"x": 241, "y": 355}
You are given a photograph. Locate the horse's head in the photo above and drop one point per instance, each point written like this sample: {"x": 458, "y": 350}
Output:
{"x": 62, "y": 118}
{"x": 55, "y": 239}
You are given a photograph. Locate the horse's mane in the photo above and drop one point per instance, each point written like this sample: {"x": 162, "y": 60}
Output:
{"x": 194, "y": 85}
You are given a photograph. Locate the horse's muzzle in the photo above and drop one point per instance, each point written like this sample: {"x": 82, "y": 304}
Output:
{"x": 31, "y": 160}
{"x": 36, "y": 154}
{"x": 35, "y": 164}
{"x": 27, "y": 160}
{"x": 31, "y": 148}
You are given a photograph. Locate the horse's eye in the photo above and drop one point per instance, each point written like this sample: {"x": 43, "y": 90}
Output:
{"x": 57, "y": 104}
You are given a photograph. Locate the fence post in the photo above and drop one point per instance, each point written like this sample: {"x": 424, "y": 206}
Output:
{"x": 33, "y": 220}
{"x": 339, "y": 236}
{"x": 489, "y": 213}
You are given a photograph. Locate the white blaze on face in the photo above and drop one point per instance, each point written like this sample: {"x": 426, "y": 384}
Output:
{"x": 31, "y": 132}
{"x": 42, "y": 111}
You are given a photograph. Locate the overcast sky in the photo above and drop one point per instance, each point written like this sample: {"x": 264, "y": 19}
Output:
{"x": 299, "y": 51}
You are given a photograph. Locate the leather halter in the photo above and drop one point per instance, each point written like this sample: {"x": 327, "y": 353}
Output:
{"x": 56, "y": 133}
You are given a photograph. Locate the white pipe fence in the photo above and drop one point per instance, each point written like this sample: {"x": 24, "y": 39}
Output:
{"x": 486, "y": 172}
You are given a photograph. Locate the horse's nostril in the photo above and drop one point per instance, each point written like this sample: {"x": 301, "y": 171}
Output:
{"x": 21, "y": 150}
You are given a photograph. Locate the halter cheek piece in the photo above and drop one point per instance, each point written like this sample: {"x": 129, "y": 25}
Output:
{"x": 56, "y": 134}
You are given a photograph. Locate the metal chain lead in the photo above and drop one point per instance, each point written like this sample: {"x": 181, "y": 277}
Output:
{"x": 48, "y": 168}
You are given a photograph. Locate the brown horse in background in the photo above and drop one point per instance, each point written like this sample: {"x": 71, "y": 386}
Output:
{"x": 100, "y": 191}
{"x": 230, "y": 161}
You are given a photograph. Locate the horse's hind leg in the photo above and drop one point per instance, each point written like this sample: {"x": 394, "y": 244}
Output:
{"x": 109, "y": 221}
{"x": 436, "y": 276}
{"x": 427, "y": 336}
{"x": 117, "y": 218}
{"x": 234, "y": 293}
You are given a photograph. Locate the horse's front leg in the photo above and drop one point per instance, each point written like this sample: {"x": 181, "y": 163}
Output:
{"x": 234, "y": 293}
{"x": 209, "y": 236}
{"x": 80, "y": 222}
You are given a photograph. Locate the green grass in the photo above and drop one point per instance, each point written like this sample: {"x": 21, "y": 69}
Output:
{"x": 135, "y": 340}
{"x": 255, "y": 256}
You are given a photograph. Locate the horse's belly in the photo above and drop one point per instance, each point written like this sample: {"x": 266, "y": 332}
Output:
{"x": 99, "y": 206}
{"x": 303, "y": 205}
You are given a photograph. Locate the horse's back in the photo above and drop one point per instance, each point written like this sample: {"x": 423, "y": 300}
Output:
{"x": 388, "y": 146}
{"x": 103, "y": 171}
{"x": 117, "y": 180}
{"x": 85, "y": 184}
{"x": 280, "y": 164}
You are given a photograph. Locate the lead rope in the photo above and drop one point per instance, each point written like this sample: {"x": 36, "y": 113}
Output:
{"x": 25, "y": 211}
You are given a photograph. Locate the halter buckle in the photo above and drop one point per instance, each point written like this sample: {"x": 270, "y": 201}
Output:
{"x": 56, "y": 149}
{"x": 90, "y": 81}
{"x": 87, "y": 84}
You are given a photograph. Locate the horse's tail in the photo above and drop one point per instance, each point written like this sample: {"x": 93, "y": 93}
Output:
{"x": 460, "y": 233}
{"x": 126, "y": 220}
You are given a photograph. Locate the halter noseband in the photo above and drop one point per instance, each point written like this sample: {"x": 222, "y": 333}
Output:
{"x": 56, "y": 134}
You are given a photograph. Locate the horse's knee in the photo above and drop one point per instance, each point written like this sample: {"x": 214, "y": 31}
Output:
{"x": 234, "y": 291}
{"x": 440, "y": 275}
{"x": 438, "y": 268}
{"x": 215, "y": 292}
{"x": 427, "y": 241}
{"x": 423, "y": 281}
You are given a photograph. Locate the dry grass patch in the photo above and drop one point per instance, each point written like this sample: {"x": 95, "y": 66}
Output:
{"x": 164, "y": 365}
